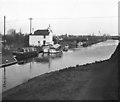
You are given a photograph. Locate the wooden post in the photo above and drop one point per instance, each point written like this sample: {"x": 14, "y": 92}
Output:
{"x": 4, "y": 29}
{"x": 30, "y": 24}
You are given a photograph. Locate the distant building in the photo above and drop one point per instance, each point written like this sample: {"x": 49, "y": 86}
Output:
{"x": 41, "y": 37}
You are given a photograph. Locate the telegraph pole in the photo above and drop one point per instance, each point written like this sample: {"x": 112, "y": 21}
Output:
{"x": 30, "y": 24}
{"x": 4, "y": 29}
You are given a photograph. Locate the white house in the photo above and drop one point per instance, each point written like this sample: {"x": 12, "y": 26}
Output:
{"x": 41, "y": 37}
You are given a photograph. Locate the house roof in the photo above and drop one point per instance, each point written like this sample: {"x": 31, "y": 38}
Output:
{"x": 41, "y": 32}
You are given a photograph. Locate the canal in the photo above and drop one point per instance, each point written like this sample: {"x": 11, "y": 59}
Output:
{"x": 20, "y": 73}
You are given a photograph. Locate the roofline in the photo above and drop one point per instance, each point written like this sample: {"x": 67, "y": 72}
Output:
{"x": 38, "y": 35}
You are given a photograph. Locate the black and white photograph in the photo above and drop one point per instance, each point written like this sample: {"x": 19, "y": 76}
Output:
{"x": 59, "y": 50}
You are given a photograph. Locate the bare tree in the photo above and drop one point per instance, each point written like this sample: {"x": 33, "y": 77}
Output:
{"x": 11, "y": 32}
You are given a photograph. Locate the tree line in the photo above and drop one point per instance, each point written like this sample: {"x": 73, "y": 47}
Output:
{"x": 16, "y": 39}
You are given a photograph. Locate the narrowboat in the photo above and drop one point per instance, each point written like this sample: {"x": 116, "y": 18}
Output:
{"x": 25, "y": 53}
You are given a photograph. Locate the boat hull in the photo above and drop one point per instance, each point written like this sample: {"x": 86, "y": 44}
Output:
{"x": 55, "y": 52}
{"x": 23, "y": 56}
{"x": 52, "y": 51}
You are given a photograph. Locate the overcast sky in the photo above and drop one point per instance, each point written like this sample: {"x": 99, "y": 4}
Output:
{"x": 64, "y": 16}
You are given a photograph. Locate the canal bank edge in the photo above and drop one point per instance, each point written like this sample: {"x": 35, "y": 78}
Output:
{"x": 8, "y": 64}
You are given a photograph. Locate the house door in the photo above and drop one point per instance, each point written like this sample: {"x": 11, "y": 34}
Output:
{"x": 44, "y": 42}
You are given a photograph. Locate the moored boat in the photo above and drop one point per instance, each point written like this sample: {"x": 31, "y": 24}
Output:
{"x": 24, "y": 53}
{"x": 54, "y": 49}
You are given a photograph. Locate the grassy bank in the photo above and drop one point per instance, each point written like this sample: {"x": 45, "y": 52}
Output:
{"x": 97, "y": 81}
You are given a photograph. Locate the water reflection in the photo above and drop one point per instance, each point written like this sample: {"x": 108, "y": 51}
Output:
{"x": 47, "y": 58}
{"x": 30, "y": 61}
{"x": 4, "y": 77}
{"x": 30, "y": 68}
{"x": 41, "y": 59}
{"x": 44, "y": 59}
{"x": 49, "y": 65}
{"x": 56, "y": 56}
{"x": 25, "y": 61}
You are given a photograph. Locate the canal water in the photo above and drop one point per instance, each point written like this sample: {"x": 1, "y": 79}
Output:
{"x": 20, "y": 73}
